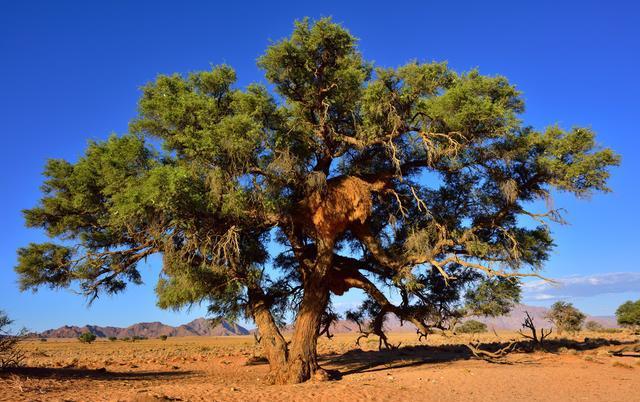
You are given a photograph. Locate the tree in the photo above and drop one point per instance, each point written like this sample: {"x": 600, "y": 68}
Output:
{"x": 87, "y": 337}
{"x": 628, "y": 314}
{"x": 472, "y": 327}
{"x": 538, "y": 342}
{"x": 10, "y": 353}
{"x": 415, "y": 178}
{"x": 565, "y": 317}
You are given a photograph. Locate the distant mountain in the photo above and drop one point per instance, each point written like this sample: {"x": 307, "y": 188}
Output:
{"x": 197, "y": 327}
{"x": 202, "y": 326}
{"x": 514, "y": 319}
{"x": 511, "y": 321}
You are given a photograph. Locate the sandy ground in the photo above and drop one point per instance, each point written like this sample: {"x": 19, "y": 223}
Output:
{"x": 216, "y": 369}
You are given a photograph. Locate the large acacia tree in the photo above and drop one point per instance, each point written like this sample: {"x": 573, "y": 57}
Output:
{"x": 415, "y": 178}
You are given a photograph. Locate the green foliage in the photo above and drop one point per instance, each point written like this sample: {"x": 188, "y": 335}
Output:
{"x": 566, "y": 317}
{"x": 471, "y": 327}
{"x": 163, "y": 337}
{"x": 493, "y": 297}
{"x": 113, "y": 338}
{"x": 628, "y": 314}
{"x": 209, "y": 174}
{"x": 87, "y": 337}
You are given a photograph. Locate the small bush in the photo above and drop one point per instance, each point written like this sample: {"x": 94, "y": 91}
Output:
{"x": 87, "y": 337}
{"x": 126, "y": 339}
{"x": 10, "y": 353}
{"x": 472, "y": 327}
{"x": 139, "y": 338}
{"x": 43, "y": 339}
{"x": 113, "y": 338}
{"x": 593, "y": 326}
{"x": 163, "y": 337}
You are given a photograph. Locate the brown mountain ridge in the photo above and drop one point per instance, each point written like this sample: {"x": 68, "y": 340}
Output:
{"x": 203, "y": 327}
{"x": 197, "y": 327}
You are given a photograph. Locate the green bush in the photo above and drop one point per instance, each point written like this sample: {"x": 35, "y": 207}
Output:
{"x": 87, "y": 337}
{"x": 163, "y": 337}
{"x": 628, "y": 315}
{"x": 565, "y": 317}
{"x": 113, "y": 338}
{"x": 472, "y": 327}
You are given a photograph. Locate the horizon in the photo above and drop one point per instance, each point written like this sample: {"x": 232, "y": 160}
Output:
{"x": 72, "y": 73}
{"x": 249, "y": 326}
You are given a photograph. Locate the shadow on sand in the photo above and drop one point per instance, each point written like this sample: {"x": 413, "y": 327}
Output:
{"x": 359, "y": 361}
{"x": 95, "y": 374}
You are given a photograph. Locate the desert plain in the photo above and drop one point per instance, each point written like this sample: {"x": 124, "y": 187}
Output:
{"x": 574, "y": 368}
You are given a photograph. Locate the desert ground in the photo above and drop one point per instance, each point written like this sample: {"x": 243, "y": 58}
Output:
{"x": 578, "y": 368}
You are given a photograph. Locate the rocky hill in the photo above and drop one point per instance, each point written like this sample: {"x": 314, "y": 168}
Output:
{"x": 197, "y": 327}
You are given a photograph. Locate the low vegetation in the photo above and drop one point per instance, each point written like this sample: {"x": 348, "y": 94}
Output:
{"x": 593, "y": 326}
{"x": 10, "y": 353}
{"x": 472, "y": 327}
{"x": 87, "y": 337}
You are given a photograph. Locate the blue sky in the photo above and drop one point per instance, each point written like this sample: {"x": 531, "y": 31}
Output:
{"x": 71, "y": 71}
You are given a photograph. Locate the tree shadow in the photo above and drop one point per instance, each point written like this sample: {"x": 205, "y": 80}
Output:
{"x": 358, "y": 361}
{"x": 94, "y": 374}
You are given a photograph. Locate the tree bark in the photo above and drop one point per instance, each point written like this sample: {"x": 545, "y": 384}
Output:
{"x": 272, "y": 342}
{"x": 302, "y": 362}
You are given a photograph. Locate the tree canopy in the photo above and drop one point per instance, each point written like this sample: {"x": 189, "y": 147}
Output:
{"x": 416, "y": 178}
{"x": 566, "y": 317}
{"x": 628, "y": 314}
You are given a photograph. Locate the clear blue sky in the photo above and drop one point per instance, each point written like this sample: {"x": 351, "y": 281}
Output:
{"x": 71, "y": 71}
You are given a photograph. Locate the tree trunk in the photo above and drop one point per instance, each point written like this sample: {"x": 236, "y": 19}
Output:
{"x": 302, "y": 362}
{"x": 272, "y": 342}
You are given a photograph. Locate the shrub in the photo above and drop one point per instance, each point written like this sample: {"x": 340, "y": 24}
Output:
{"x": 472, "y": 327}
{"x": 126, "y": 339}
{"x": 113, "y": 338}
{"x": 10, "y": 353}
{"x": 43, "y": 339}
{"x": 593, "y": 326}
{"x": 87, "y": 337}
{"x": 628, "y": 315}
{"x": 565, "y": 317}
{"x": 163, "y": 337}
{"x": 138, "y": 338}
